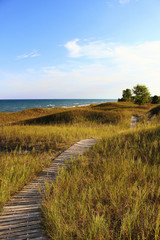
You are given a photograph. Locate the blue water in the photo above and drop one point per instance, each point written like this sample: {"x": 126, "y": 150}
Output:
{"x": 19, "y": 105}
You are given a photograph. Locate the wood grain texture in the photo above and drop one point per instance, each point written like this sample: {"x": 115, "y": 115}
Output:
{"x": 21, "y": 217}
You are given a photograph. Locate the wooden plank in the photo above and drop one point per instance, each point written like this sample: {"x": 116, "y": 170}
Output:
{"x": 27, "y": 237}
{"x": 28, "y": 211}
{"x": 19, "y": 229}
{"x": 18, "y": 224}
{"x": 22, "y": 233}
{"x": 21, "y": 220}
{"x": 21, "y": 216}
{"x": 22, "y": 202}
{"x": 29, "y": 206}
{"x": 27, "y": 197}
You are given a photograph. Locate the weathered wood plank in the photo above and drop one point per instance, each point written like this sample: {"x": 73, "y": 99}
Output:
{"x": 18, "y": 224}
{"x": 20, "y": 207}
{"x": 11, "y": 217}
{"x": 21, "y": 216}
{"x": 17, "y": 221}
{"x": 22, "y": 202}
{"x": 27, "y": 233}
{"x": 27, "y": 237}
{"x": 18, "y": 229}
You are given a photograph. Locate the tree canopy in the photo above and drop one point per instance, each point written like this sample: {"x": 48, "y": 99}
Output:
{"x": 141, "y": 94}
{"x": 127, "y": 95}
{"x": 155, "y": 99}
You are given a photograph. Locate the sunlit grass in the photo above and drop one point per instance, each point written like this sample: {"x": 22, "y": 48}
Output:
{"x": 111, "y": 193}
{"x": 26, "y": 150}
{"x": 17, "y": 169}
{"x": 101, "y": 113}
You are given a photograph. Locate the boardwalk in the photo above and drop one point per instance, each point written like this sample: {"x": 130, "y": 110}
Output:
{"x": 133, "y": 121}
{"x": 21, "y": 218}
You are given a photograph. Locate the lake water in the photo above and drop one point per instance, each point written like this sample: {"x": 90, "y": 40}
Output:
{"x": 19, "y": 105}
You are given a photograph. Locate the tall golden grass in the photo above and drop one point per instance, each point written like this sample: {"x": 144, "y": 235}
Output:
{"x": 110, "y": 193}
{"x": 26, "y": 150}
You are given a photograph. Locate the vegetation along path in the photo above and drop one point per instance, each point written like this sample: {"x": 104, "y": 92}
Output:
{"x": 21, "y": 217}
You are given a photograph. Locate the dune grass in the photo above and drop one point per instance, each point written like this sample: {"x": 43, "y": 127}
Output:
{"x": 17, "y": 169}
{"x": 79, "y": 116}
{"x": 27, "y": 150}
{"x": 14, "y": 117}
{"x": 100, "y": 113}
{"x": 97, "y": 197}
{"x": 111, "y": 193}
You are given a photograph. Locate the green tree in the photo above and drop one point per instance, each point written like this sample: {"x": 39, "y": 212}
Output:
{"x": 127, "y": 95}
{"x": 141, "y": 94}
{"x": 155, "y": 99}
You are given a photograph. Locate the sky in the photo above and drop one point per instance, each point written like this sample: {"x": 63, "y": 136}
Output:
{"x": 55, "y": 49}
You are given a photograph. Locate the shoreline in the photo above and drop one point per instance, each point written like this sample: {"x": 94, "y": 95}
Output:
{"x": 11, "y": 106}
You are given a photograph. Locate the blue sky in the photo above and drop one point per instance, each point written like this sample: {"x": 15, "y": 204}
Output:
{"x": 78, "y": 48}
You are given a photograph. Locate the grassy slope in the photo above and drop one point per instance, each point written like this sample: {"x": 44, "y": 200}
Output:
{"x": 8, "y": 118}
{"x": 152, "y": 115}
{"x": 26, "y": 150}
{"x": 111, "y": 193}
{"x": 102, "y": 113}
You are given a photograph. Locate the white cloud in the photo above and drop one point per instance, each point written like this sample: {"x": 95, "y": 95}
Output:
{"x": 101, "y": 75}
{"x": 142, "y": 53}
{"x": 73, "y": 48}
{"x": 32, "y": 54}
{"x": 95, "y": 49}
{"x": 120, "y": 65}
{"x": 84, "y": 81}
{"x": 145, "y": 54}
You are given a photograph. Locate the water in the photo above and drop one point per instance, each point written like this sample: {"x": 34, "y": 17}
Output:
{"x": 19, "y": 105}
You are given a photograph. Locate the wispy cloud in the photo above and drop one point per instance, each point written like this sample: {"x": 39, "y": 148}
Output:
{"x": 32, "y": 54}
{"x": 73, "y": 48}
{"x": 106, "y": 77}
{"x": 117, "y": 64}
{"x": 94, "y": 49}
{"x": 142, "y": 53}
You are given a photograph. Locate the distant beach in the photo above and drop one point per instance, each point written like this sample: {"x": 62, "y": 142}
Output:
{"x": 22, "y": 104}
